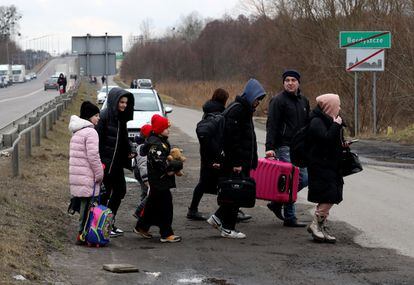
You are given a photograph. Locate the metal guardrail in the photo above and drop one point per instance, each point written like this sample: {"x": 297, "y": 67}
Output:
{"x": 40, "y": 120}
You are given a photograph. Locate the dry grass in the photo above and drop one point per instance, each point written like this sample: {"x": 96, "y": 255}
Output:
{"x": 33, "y": 206}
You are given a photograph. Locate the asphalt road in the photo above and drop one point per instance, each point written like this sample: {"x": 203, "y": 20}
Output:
{"x": 21, "y": 98}
{"x": 271, "y": 254}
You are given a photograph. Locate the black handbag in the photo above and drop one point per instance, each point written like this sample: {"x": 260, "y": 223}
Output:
{"x": 240, "y": 191}
{"x": 350, "y": 163}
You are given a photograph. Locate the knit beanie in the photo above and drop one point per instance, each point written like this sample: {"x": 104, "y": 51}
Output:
{"x": 159, "y": 124}
{"x": 146, "y": 130}
{"x": 292, "y": 73}
{"x": 88, "y": 110}
{"x": 330, "y": 104}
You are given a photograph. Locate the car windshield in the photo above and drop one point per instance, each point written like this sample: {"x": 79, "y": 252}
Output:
{"x": 145, "y": 102}
{"x": 52, "y": 80}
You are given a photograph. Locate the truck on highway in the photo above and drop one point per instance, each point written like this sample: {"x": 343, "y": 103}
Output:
{"x": 19, "y": 73}
{"x": 5, "y": 75}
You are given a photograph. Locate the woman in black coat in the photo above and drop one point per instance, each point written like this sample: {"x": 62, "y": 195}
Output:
{"x": 115, "y": 149}
{"x": 210, "y": 166}
{"x": 325, "y": 144}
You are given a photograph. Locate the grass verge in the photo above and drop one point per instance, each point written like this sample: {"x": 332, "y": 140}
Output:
{"x": 33, "y": 206}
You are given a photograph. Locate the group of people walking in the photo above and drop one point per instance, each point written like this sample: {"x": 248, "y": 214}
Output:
{"x": 101, "y": 137}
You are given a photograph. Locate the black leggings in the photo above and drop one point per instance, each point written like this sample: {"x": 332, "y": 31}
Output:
{"x": 207, "y": 184}
{"x": 115, "y": 189}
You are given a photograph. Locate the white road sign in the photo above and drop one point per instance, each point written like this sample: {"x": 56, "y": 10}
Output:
{"x": 365, "y": 59}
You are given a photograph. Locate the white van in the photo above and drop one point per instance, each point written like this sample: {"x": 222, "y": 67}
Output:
{"x": 19, "y": 73}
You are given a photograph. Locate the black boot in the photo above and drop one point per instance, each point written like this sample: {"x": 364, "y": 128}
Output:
{"x": 276, "y": 208}
{"x": 195, "y": 215}
{"x": 241, "y": 216}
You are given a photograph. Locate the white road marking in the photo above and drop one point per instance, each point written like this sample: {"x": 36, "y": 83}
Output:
{"x": 21, "y": 97}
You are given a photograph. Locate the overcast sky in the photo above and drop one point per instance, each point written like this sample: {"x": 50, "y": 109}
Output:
{"x": 54, "y": 22}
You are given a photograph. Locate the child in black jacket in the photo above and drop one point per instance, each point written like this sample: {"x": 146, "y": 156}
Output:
{"x": 159, "y": 208}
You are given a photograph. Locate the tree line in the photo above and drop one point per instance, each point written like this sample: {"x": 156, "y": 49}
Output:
{"x": 300, "y": 34}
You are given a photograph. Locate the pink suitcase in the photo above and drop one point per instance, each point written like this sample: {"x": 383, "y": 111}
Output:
{"x": 276, "y": 180}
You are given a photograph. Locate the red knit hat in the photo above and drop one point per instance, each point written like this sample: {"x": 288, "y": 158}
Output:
{"x": 159, "y": 124}
{"x": 146, "y": 130}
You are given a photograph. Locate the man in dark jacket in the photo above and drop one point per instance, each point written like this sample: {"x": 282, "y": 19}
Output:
{"x": 288, "y": 112}
{"x": 240, "y": 149}
{"x": 114, "y": 148}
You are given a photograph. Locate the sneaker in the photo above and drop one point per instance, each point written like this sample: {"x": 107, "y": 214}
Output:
{"x": 195, "y": 215}
{"x": 171, "y": 238}
{"x": 241, "y": 216}
{"x": 144, "y": 234}
{"x": 232, "y": 234}
{"x": 214, "y": 221}
{"x": 116, "y": 232}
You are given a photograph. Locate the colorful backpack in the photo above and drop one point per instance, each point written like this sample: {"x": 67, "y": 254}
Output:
{"x": 98, "y": 224}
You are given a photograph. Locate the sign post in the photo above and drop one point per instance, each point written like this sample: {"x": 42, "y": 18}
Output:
{"x": 365, "y": 51}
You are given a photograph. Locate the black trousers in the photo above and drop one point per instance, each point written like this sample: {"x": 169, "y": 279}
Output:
{"x": 207, "y": 184}
{"x": 158, "y": 211}
{"x": 227, "y": 213}
{"x": 115, "y": 189}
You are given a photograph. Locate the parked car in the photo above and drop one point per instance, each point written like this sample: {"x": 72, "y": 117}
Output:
{"x": 51, "y": 83}
{"x": 147, "y": 104}
{"x": 144, "y": 83}
{"x": 101, "y": 97}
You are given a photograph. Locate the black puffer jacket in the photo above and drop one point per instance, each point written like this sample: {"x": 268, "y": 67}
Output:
{"x": 157, "y": 148}
{"x": 207, "y": 159}
{"x": 240, "y": 145}
{"x": 114, "y": 145}
{"x": 325, "y": 148}
{"x": 287, "y": 114}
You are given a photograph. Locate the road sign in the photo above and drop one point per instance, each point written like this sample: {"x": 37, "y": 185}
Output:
{"x": 364, "y": 39}
{"x": 365, "y": 59}
{"x": 97, "y": 53}
{"x": 96, "y": 44}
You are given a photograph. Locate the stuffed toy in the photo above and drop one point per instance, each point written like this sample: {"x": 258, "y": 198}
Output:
{"x": 176, "y": 154}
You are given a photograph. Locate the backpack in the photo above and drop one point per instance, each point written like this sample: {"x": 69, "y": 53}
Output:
{"x": 98, "y": 224}
{"x": 298, "y": 149}
{"x": 210, "y": 133}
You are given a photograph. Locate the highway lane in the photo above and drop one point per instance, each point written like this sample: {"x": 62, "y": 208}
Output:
{"x": 374, "y": 200}
{"x": 21, "y": 98}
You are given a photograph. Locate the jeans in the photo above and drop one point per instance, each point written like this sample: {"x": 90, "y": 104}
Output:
{"x": 283, "y": 154}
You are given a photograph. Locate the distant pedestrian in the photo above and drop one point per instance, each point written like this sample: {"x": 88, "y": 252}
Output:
{"x": 140, "y": 168}
{"x": 85, "y": 167}
{"x": 325, "y": 143}
{"x": 288, "y": 112}
{"x": 103, "y": 79}
{"x": 115, "y": 148}
{"x": 240, "y": 152}
{"x": 62, "y": 82}
{"x": 134, "y": 84}
{"x": 158, "y": 209}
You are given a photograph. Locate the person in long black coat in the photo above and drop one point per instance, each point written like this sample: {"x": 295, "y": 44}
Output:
{"x": 210, "y": 166}
{"x": 114, "y": 148}
{"x": 325, "y": 144}
{"x": 240, "y": 149}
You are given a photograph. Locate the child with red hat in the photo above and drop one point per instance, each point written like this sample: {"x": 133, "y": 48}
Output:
{"x": 158, "y": 209}
{"x": 140, "y": 168}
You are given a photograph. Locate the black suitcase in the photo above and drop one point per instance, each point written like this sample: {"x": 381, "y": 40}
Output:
{"x": 240, "y": 191}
